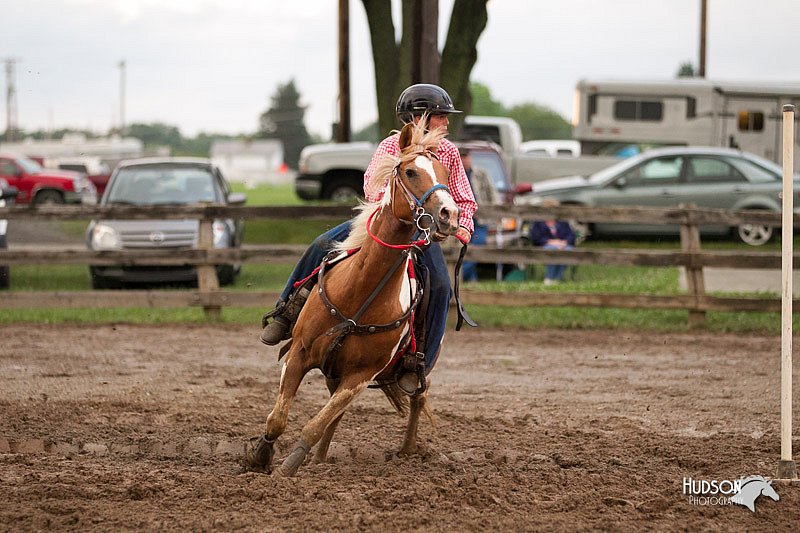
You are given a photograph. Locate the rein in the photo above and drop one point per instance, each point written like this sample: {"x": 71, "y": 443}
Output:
{"x": 416, "y": 206}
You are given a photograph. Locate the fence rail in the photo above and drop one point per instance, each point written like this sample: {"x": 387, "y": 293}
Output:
{"x": 212, "y": 299}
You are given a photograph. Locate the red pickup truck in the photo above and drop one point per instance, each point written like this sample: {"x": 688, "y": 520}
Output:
{"x": 38, "y": 185}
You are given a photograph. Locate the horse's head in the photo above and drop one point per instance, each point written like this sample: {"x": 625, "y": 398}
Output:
{"x": 418, "y": 188}
{"x": 768, "y": 491}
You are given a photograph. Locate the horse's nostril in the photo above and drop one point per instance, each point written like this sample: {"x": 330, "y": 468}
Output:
{"x": 444, "y": 214}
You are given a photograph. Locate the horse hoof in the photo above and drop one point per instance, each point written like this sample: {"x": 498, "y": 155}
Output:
{"x": 258, "y": 454}
{"x": 405, "y": 452}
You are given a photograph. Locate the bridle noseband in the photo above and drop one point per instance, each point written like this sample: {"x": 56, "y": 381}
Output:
{"x": 417, "y": 208}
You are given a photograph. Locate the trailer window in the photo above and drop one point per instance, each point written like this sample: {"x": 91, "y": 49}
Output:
{"x": 751, "y": 120}
{"x": 638, "y": 110}
{"x": 591, "y": 108}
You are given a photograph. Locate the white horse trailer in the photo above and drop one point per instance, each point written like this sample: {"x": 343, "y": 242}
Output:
{"x": 609, "y": 115}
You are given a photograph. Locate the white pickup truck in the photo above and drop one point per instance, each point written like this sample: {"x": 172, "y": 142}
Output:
{"x": 336, "y": 171}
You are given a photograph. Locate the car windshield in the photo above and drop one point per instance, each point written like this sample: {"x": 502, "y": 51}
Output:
{"x": 493, "y": 166}
{"x": 159, "y": 185}
{"x": 30, "y": 166}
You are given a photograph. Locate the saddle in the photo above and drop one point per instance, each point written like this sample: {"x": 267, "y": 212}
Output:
{"x": 411, "y": 352}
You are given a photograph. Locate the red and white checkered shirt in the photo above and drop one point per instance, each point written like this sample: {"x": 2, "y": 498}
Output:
{"x": 449, "y": 157}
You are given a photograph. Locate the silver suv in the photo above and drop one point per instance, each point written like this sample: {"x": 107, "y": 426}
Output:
{"x": 162, "y": 181}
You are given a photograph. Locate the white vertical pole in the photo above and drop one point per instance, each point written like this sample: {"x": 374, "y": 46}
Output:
{"x": 786, "y": 466}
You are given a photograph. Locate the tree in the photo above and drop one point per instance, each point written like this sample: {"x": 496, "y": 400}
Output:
{"x": 483, "y": 103}
{"x": 284, "y": 120}
{"x": 540, "y": 122}
{"x": 157, "y": 134}
{"x": 536, "y": 121}
{"x": 686, "y": 70}
{"x": 393, "y": 60}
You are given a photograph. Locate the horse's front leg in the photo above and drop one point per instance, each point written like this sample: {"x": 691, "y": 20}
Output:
{"x": 321, "y": 453}
{"x": 418, "y": 403}
{"x": 259, "y": 455}
{"x": 347, "y": 391}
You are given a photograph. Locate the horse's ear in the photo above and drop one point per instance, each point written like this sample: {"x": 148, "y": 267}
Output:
{"x": 405, "y": 135}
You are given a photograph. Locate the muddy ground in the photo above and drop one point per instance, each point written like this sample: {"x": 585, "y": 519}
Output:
{"x": 123, "y": 427}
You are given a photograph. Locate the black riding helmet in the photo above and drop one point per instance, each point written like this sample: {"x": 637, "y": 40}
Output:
{"x": 423, "y": 98}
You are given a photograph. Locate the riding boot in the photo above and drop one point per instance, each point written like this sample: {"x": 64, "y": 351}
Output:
{"x": 283, "y": 318}
{"x": 411, "y": 379}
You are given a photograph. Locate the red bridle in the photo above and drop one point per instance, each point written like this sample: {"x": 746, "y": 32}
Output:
{"x": 416, "y": 206}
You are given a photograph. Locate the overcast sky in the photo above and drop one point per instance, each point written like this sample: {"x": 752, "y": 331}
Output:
{"x": 212, "y": 65}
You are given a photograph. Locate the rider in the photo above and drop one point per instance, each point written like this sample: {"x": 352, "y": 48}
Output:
{"x": 415, "y": 102}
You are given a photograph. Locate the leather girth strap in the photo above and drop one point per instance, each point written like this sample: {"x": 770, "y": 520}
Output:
{"x": 346, "y": 325}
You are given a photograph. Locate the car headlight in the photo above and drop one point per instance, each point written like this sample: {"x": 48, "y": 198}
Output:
{"x": 508, "y": 224}
{"x": 221, "y": 234}
{"x": 105, "y": 238}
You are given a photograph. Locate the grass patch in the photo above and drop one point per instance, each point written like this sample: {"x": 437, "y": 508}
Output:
{"x": 656, "y": 320}
{"x": 268, "y": 194}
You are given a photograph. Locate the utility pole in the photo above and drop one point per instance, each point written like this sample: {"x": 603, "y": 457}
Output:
{"x": 342, "y": 133}
{"x": 701, "y": 69}
{"x": 122, "y": 97}
{"x": 11, "y": 99}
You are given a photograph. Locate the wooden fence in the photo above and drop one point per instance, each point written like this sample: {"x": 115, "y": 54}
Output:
{"x": 209, "y": 296}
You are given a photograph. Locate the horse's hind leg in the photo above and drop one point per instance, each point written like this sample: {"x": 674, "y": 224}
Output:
{"x": 321, "y": 454}
{"x": 418, "y": 403}
{"x": 260, "y": 457}
{"x": 313, "y": 431}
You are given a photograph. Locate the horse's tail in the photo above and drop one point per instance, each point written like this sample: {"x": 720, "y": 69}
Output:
{"x": 400, "y": 401}
{"x": 396, "y": 397}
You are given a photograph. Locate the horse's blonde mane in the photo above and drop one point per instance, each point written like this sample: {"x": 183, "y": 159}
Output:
{"x": 422, "y": 140}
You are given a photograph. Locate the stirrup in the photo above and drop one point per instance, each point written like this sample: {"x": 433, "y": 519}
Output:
{"x": 279, "y": 307}
{"x": 413, "y": 364}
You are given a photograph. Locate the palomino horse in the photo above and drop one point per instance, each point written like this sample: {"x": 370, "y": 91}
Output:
{"x": 374, "y": 286}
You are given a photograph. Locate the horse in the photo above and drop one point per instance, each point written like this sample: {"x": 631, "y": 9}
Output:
{"x": 359, "y": 318}
{"x": 751, "y": 488}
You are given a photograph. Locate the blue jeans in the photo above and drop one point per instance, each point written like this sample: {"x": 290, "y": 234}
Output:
{"x": 555, "y": 271}
{"x": 432, "y": 259}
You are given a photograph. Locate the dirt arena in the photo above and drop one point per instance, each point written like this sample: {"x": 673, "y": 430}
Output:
{"x": 113, "y": 428}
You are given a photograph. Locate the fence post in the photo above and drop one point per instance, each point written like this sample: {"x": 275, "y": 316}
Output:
{"x": 787, "y": 468}
{"x": 207, "y": 281}
{"x": 690, "y": 242}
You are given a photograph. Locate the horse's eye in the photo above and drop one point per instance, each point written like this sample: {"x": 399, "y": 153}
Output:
{"x": 411, "y": 173}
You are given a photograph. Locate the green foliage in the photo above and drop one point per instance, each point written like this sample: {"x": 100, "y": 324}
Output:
{"x": 540, "y": 122}
{"x": 284, "y": 120}
{"x": 536, "y": 121}
{"x": 157, "y": 134}
{"x": 686, "y": 70}
{"x": 482, "y": 102}
{"x": 368, "y": 133}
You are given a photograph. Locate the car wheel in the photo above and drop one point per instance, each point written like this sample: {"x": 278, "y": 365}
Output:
{"x": 5, "y": 276}
{"x": 101, "y": 283}
{"x": 226, "y": 275}
{"x": 344, "y": 194}
{"x": 754, "y": 234}
{"x": 48, "y": 197}
{"x": 582, "y": 230}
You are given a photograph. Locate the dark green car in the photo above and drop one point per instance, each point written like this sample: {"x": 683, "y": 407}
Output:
{"x": 666, "y": 177}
